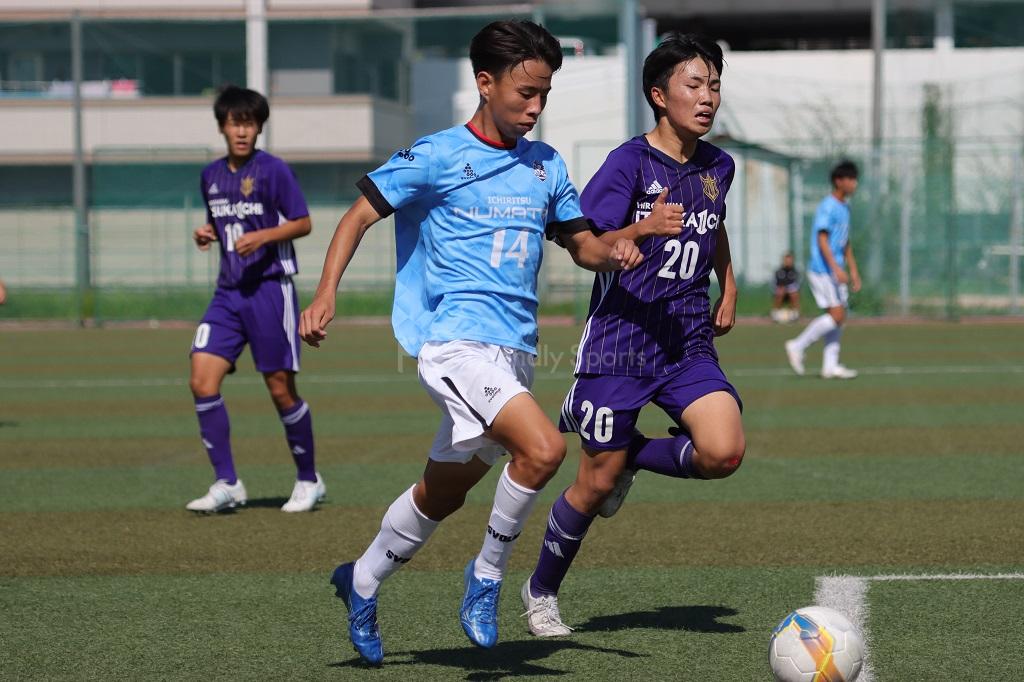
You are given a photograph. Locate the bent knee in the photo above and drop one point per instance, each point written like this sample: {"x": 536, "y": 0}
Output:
{"x": 722, "y": 462}
{"x": 202, "y": 387}
{"x": 544, "y": 456}
{"x": 283, "y": 398}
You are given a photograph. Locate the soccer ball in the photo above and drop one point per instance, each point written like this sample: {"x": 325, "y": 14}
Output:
{"x": 816, "y": 644}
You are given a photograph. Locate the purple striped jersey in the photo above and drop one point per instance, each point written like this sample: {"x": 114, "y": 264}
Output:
{"x": 648, "y": 321}
{"x": 261, "y": 194}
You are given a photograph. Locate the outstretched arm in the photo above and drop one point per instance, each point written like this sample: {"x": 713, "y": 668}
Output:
{"x": 353, "y": 225}
{"x": 590, "y": 252}
{"x": 724, "y": 312}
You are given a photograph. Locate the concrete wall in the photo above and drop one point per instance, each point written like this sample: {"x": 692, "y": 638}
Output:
{"x": 808, "y": 102}
{"x": 343, "y": 127}
{"x": 782, "y": 98}
{"x": 155, "y": 248}
{"x": 178, "y": 5}
{"x": 586, "y": 118}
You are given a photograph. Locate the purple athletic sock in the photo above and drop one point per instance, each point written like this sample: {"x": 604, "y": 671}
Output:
{"x": 215, "y": 430}
{"x": 562, "y": 539}
{"x": 665, "y": 456}
{"x": 298, "y": 429}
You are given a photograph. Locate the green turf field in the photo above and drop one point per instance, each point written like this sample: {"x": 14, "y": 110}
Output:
{"x": 916, "y": 467}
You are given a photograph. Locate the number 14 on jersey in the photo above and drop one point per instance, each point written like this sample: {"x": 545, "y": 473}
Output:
{"x": 517, "y": 251}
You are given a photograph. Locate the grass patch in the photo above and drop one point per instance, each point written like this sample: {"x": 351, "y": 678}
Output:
{"x": 105, "y": 575}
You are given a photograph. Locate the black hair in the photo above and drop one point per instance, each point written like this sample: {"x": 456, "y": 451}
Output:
{"x": 241, "y": 103}
{"x": 502, "y": 45}
{"x": 844, "y": 169}
{"x": 675, "y": 49}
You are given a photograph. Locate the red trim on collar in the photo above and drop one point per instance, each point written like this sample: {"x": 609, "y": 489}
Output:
{"x": 486, "y": 140}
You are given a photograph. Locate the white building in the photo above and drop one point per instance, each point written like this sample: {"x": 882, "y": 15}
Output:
{"x": 351, "y": 80}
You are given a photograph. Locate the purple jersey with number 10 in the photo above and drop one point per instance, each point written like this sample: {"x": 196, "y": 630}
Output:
{"x": 651, "y": 321}
{"x": 263, "y": 193}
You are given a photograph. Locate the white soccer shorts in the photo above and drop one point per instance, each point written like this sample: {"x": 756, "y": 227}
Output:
{"x": 828, "y": 293}
{"x": 471, "y": 381}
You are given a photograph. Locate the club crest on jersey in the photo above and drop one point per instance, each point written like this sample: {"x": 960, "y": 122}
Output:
{"x": 406, "y": 154}
{"x": 538, "y": 170}
{"x": 468, "y": 173}
{"x": 249, "y": 183}
{"x": 710, "y": 183}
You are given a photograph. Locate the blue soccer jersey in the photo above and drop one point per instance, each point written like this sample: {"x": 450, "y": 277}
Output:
{"x": 651, "y": 320}
{"x": 263, "y": 193}
{"x": 470, "y": 219}
{"x": 832, "y": 217}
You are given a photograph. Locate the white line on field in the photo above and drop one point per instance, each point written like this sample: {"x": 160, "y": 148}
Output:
{"x": 948, "y": 576}
{"x": 882, "y": 371}
{"x": 848, "y": 595}
{"x": 399, "y": 377}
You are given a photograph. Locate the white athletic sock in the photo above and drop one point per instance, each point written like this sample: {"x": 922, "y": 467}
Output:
{"x": 403, "y": 530}
{"x": 830, "y": 358}
{"x": 817, "y": 328}
{"x": 512, "y": 505}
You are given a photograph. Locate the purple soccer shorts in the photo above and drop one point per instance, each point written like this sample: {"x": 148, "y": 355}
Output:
{"x": 603, "y": 409}
{"x": 264, "y": 315}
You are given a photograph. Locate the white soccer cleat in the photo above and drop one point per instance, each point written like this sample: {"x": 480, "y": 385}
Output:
{"x": 305, "y": 495}
{"x": 795, "y": 357}
{"x": 611, "y": 504}
{"x": 839, "y": 372}
{"x": 219, "y": 497}
{"x": 542, "y": 616}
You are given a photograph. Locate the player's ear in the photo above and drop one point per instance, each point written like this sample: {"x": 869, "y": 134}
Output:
{"x": 485, "y": 84}
{"x": 658, "y": 97}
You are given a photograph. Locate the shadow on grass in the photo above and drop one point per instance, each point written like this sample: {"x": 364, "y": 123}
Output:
{"x": 506, "y": 659}
{"x": 689, "y": 618}
{"x": 266, "y": 502}
{"x": 8, "y": 424}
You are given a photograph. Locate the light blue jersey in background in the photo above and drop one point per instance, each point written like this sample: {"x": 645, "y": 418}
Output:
{"x": 833, "y": 217}
{"x": 470, "y": 220}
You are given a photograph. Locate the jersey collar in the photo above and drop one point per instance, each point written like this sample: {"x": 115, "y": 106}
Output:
{"x": 497, "y": 144}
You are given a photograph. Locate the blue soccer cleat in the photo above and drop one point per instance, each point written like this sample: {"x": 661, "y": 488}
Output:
{"x": 479, "y": 613}
{"x": 362, "y": 616}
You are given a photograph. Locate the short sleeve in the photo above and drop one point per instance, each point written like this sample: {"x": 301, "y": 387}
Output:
{"x": 206, "y": 199}
{"x": 730, "y": 175}
{"x": 288, "y": 195}
{"x": 405, "y": 177}
{"x": 608, "y": 196}
{"x": 823, "y": 221}
{"x": 564, "y": 213}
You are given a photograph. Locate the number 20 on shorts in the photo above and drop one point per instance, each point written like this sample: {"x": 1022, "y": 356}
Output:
{"x": 602, "y": 417}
